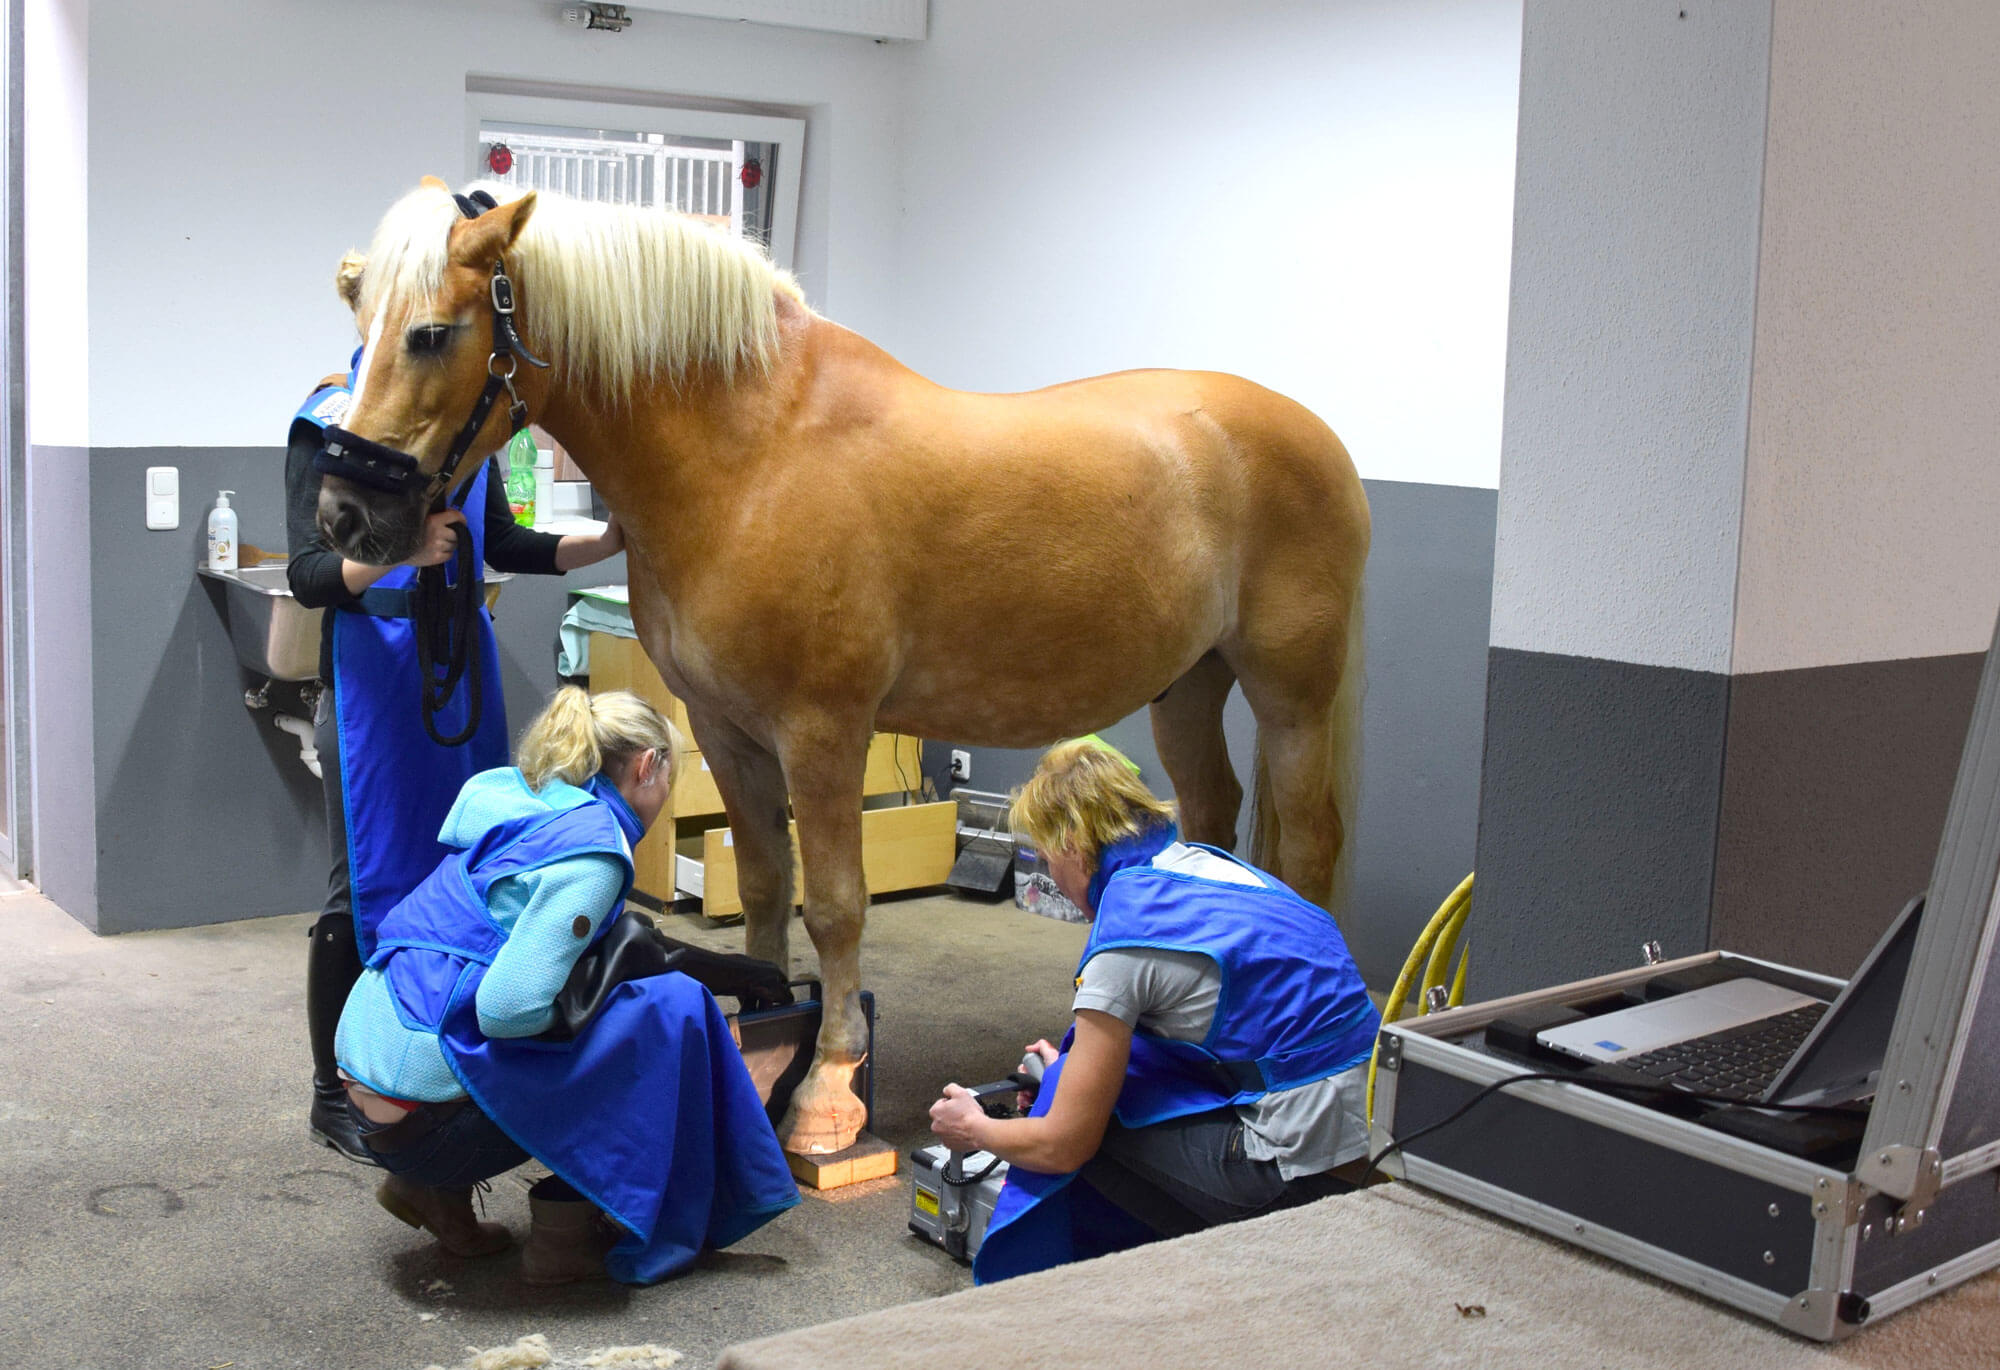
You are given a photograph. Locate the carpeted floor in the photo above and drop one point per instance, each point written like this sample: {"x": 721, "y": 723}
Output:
{"x": 1386, "y": 1279}
{"x": 162, "y": 1209}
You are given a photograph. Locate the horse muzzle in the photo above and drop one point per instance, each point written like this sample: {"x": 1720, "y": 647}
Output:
{"x": 374, "y": 527}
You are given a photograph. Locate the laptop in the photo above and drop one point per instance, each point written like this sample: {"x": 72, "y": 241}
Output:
{"x": 1757, "y": 1042}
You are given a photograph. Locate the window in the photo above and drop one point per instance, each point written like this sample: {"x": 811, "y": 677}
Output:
{"x": 739, "y": 172}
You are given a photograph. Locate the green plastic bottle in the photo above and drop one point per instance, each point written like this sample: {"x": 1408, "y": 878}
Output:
{"x": 521, "y": 478}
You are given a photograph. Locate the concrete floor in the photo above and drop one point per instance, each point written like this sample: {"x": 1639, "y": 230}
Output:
{"x": 161, "y": 1205}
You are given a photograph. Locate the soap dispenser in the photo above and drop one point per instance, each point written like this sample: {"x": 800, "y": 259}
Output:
{"x": 222, "y": 534}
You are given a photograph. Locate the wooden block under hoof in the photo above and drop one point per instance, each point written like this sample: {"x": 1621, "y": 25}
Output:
{"x": 870, "y": 1158}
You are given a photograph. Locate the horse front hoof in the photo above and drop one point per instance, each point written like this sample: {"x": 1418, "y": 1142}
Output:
{"x": 822, "y": 1118}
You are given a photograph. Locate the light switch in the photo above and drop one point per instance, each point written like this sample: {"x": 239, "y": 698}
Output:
{"x": 163, "y": 497}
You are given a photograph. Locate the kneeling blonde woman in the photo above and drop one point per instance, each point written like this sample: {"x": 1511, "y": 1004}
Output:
{"x": 647, "y": 1116}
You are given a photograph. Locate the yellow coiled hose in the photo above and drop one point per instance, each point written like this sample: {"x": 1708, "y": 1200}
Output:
{"x": 1433, "y": 952}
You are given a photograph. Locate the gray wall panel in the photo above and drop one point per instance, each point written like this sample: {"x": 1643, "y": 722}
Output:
{"x": 1430, "y": 591}
{"x": 208, "y": 815}
{"x": 204, "y": 811}
{"x": 59, "y": 675}
{"x": 1597, "y": 818}
{"x": 1834, "y": 793}
{"x": 1430, "y": 595}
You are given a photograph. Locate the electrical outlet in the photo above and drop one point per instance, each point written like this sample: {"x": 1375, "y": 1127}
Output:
{"x": 961, "y": 765}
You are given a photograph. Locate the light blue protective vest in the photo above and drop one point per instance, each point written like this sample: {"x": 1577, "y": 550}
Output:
{"x": 397, "y": 783}
{"x": 650, "y": 1112}
{"x": 1292, "y": 1010}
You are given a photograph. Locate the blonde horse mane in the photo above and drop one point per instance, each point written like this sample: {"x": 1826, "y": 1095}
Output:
{"x": 611, "y": 294}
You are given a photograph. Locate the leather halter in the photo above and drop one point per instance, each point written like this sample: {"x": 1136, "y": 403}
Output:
{"x": 381, "y": 467}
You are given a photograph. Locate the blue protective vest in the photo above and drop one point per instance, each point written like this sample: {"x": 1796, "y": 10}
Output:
{"x": 397, "y": 783}
{"x": 650, "y": 1113}
{"x": 1292, "y": 1010}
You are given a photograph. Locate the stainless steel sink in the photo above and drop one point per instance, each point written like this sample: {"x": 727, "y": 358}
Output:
{"x": 274, "y": 635}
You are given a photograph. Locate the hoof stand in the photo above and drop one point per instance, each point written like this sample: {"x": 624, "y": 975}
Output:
{"x": 870, "y": 1158}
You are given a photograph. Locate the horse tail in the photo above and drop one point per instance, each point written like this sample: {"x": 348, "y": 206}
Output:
{"x": 1263, "y": 814}
{"x": 1343, "y": 725}
{"x": 1344, "y": 748}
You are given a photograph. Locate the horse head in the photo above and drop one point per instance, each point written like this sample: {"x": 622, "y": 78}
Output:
{"x": 435, "y": 387}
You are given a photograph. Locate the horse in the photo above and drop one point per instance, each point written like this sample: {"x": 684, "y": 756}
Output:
{"x": 815, "y": 535}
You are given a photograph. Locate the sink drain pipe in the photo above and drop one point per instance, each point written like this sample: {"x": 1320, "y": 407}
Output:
{"x": 303, "y": 731}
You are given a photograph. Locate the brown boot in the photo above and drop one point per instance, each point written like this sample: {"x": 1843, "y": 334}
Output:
{"x": 444, "y": 1213}
{"x": 568, "y": 1239}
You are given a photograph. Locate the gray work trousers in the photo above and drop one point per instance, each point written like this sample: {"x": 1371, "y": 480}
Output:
{"x": 1189, "y": 1173}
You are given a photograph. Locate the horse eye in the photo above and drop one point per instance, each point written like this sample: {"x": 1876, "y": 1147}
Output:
{"x": 427, "y": 338}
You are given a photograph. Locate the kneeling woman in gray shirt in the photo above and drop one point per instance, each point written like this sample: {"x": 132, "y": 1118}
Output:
{"x": 1214, "y": 1069}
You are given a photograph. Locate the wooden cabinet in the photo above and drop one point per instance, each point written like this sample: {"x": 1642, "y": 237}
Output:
{"x": 690, "y": 852}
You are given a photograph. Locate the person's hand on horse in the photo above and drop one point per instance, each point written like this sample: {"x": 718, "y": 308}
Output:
{"x": 955, "y": 1116}
{"x": 578, "y": 550}
{"x": 440, "y": 539}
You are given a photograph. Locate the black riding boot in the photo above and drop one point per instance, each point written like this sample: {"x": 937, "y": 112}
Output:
{"x": 332, "y": 967}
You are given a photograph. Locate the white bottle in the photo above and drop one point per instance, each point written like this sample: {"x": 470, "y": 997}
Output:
{"x": 222, "y": 534}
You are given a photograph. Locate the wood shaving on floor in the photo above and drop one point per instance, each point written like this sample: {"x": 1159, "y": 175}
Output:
{"x": 647, "y": 1357}
{"x": 532, "y": 1353}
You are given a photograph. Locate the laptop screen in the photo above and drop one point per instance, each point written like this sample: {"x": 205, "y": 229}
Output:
{"x": 1838, "y": 1062}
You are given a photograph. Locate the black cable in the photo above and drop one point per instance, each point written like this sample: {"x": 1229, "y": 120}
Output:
{"x": 963, "y": 1180}
{"x": 1582, "y": 1082}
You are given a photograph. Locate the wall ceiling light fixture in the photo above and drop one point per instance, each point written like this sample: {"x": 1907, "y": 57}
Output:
{"x": 610, "y": 18}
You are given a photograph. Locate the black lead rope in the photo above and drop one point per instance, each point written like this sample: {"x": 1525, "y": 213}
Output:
{"x": 445, "y": 615}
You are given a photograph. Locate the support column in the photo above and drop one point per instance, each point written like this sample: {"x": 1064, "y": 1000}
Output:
{"x": 1638, "y": 186}
{"x": 1747, "y": 549}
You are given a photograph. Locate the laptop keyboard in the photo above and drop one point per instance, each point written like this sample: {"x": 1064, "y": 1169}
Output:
{"x": 1737, "y": 1064}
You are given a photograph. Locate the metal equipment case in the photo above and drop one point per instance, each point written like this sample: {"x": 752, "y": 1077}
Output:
{"x": 947, "y": 1207}
{"x": 1816, "y": 1248}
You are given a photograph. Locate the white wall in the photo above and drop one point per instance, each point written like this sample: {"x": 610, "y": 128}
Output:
{"x": 1038, "y": 191}
{"x": 56, "y": 231}
{"x": 1312, "y": 193}
{"x": 237, "y": 149}
{"x": 1635, "y": 256}
{"x": 1872, "y": 504}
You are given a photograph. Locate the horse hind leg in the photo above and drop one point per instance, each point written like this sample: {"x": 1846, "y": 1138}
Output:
{"x": 1187, "y": 731}
{"x": 1308, "y": 766}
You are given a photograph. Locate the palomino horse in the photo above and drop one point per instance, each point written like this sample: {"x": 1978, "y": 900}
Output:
{"x": 815, "y": 531}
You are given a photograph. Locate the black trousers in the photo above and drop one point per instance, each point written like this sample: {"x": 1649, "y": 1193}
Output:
{"x": 1191, "y": 1173}
{"x": 333, "y": 963}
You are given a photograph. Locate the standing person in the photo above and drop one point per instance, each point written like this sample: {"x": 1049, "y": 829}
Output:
{"x": 388, "y": 783}
{"x": 644, "y": 1111}
{"x": 1216, "y": 1065}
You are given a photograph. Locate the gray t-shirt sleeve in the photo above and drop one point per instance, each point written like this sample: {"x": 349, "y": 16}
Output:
{"x": 1167, "y": 993}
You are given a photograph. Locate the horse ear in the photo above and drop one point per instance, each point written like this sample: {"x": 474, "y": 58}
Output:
{"x": 433, "y": 183}
{"x": 347, "y": 278}
{"x": 480, "y": 242}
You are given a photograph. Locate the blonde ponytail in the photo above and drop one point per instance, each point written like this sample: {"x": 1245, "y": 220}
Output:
{"x": 577, "y": 734}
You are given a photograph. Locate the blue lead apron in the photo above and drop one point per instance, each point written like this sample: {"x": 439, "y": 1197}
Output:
{"x": 1292, "y": 1010}
{"x": 397, "y": 785}
{"x": 650, "y": 1113}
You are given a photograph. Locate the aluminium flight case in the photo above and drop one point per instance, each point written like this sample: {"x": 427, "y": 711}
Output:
{"x": 1816, "y": 1248}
